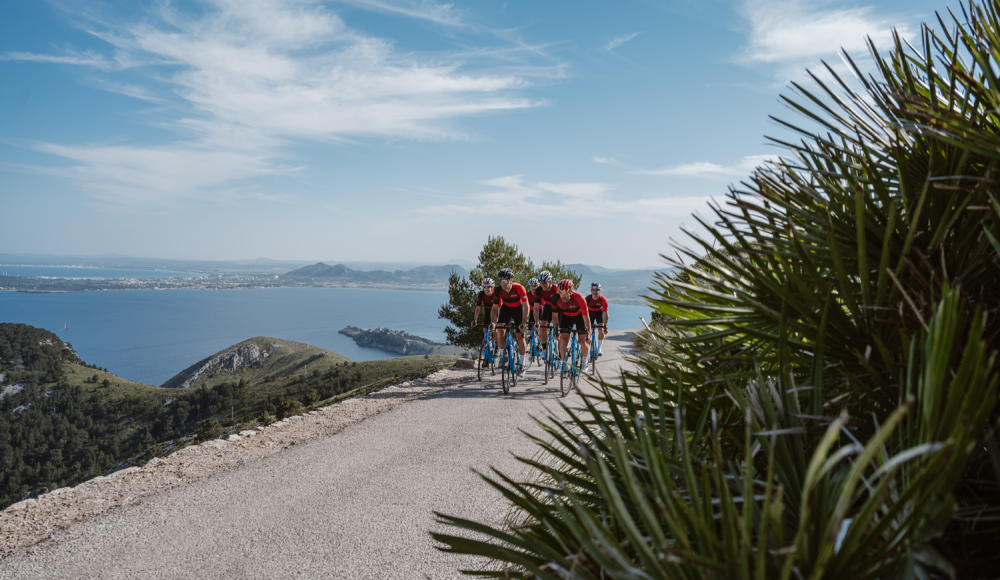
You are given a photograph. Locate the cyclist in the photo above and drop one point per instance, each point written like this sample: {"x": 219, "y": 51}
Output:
{"x": 545, "y": 294}
{"x": 572, "y": 309}
{"x": 485, "y": 300}
{"x": 532, "y": 299}
{"x": 597, "y": 305}
{"x": 511, "y": 304}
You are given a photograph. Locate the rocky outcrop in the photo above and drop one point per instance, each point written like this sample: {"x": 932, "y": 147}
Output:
{"x": 232, "y": 361}
{"x": 398, "y": 341}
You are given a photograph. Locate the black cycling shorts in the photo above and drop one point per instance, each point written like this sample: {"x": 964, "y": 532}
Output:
{"x": 566, "y": 323}
{"x": 531, "y": 316}
{"x": 597, "y": 317}
{"x": 509, "y": 313}
{"x": 547, "y": 313}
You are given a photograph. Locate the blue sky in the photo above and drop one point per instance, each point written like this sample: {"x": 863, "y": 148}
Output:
{"x": 394, "y": 129}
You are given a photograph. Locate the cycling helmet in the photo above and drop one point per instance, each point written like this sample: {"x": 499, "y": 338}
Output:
{"x": 595, "y": 286}
{"x": 545, "y": 276}
{"x": 488, "y": 282}
{"x": 533, "y": 282}
{"x": 505, "y": 274}
{"x": 565, "y": 286}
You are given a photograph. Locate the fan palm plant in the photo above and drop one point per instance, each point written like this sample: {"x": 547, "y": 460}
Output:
{"x": 819, "y": 400}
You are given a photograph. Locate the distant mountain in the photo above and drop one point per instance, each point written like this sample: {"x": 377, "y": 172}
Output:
{"x": 340, "y": 273}
{"x": 621, "y": 286}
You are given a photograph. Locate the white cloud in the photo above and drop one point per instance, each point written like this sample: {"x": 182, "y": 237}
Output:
{"x": 254, "y": 75}
{"x": 790, "y": 35}
{"x": 541, "y": 200}
{"x": 619, "y": 40}
{"x": 85, "y": 59}
{"x": 711, "y": 170}
{"x": 157, "y": 176}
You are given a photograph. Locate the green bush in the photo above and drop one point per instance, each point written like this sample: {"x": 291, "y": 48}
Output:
{"x": 209, "y": 429}
{"x": 310, "y": 398}
{"x": 819, "y": 398}
{"x": 288, "y": 407}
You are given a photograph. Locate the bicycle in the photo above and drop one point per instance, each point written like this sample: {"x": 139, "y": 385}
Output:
{"x": 570, "y": 367}
{"x": 508, "y": 364}
{"x": 534, "y": 350}
{"x": 486, "y": 353}
{"x": 551, "y": 356}
{"x": 592, "y": 357}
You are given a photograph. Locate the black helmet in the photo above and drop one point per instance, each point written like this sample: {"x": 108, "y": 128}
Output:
{"x": 506, "y": 274}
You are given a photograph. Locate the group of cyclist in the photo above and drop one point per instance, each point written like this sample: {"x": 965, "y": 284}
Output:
{"x": 554, "y": 308}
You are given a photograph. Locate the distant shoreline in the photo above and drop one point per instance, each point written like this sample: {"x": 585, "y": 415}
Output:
{"x": 612, "y": 300}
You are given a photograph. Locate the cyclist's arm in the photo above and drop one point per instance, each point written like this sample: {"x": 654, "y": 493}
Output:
{"x": 475, "y": 317}
{"x": 524, "y": 312}
{"x": 494, "y": 313}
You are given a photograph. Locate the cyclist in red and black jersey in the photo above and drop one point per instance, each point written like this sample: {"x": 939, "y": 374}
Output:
{"x": 532, "y": 300}
{"x": 572, "y": 309}
{"x": 545, "y": 294}
{"x": 597, "y": 305}
{"x": 511, "y": 305}
{"x": 485, "y": 300}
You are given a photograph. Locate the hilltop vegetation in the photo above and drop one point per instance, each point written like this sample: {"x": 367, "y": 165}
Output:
{"x": 63, "y": 421}
{"x": 342, "y": 275}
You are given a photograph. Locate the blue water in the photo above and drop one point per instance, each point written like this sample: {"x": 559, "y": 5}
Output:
{"x": 71, "y": 272}
{"x": 149, "y": 336}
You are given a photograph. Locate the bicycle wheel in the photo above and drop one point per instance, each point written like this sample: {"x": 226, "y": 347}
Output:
{"x": 513, "y": 367}
{"x": 574, "y": 370}
{"x": 547, "y": 367}
{"x": 482, "y": 360}
{"x": 505, "y": 374}
{"x": 564, "y": 378}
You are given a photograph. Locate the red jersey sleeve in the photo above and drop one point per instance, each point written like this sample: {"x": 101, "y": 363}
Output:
{"x": 580, "y": 301}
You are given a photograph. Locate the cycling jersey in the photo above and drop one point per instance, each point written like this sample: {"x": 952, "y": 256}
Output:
{"x": 532, "y": 300}
{"x": 599, "y": 305}
{"x": 485, "y": 300}
{"x": 547, "y": 296}
{"x": 515, "y": 297}
{"x": 576, "y": 305}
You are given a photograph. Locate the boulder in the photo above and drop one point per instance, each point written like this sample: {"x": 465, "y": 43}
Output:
{"x": 465, "y": 363}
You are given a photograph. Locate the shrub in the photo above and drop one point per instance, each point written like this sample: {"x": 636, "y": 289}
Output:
{"x": 288, "y": 407}
{"x": 310, "y": 398}
{"x": 209, "y": 429}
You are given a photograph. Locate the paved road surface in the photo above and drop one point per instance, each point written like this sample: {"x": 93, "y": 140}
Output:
{"x": 353, "y": 505}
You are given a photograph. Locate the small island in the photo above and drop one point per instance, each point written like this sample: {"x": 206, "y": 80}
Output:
{"x": 399, "y": 342}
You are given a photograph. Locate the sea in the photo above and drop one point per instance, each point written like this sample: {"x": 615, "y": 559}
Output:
{"x": 149, "y": 336}
{"x": 83, "y": 272}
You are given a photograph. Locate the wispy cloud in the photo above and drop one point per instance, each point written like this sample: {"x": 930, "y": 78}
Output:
{"x": 516, "y": 198}
{"x": 708, "y": 169}
{"x": 254, "y": 75}
{"x": 153, "y": 177}
{"x": 619, "y": 40}
{"x": 424, "y": 9}
{"x": 790, "y": 35}
{"x": 86, "y": 59}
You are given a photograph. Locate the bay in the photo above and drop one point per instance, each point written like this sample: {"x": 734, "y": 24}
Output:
{"x": 149, "y": 336}
{"x": 78, "y": 272}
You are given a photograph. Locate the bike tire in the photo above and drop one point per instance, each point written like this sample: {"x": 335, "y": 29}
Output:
{"x": 574, "y": 370}
{"x": 482, "y": 360}
{"x": 505, "y": 376}
{"x": 513, "y": 368}
{"x": 546, "y": 368}
{"x": 564, "y": 379}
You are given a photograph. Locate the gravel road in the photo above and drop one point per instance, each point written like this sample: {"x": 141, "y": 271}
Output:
{"x": 356, "y": 504}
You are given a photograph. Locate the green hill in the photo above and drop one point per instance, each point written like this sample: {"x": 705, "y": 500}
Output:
{"x": 63, "y": 421}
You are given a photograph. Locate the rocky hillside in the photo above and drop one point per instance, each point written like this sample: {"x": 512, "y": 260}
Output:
{"x": 399, "y": 342}
{"x": 256, "y": 359}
